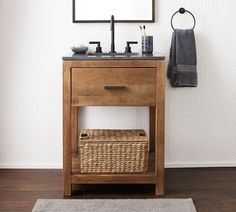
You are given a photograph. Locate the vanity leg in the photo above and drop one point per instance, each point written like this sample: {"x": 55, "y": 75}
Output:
{"x": 152, "y": 115}
{"x": 66, "y": 130}
{"x": 159, "y": 132}
{"x": 159, "y": 190}
{"x": 67, "y": 189}
{"x": 74, "y": 129}
{"x": 159, "y": 152}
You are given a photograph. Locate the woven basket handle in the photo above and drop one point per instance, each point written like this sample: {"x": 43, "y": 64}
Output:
{"x": 141, "y": 134}
{"x": 84, "y": 135}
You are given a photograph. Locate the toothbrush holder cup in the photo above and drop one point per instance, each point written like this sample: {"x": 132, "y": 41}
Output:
{"x": 147, "y": 44}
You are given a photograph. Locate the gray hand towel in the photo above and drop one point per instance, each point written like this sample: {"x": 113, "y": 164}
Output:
{"x": 182, "y": 68}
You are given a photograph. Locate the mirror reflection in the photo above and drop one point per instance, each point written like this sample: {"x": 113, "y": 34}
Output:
{"x": 123, "y": 10}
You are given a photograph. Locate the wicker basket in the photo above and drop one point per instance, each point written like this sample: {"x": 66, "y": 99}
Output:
{"x": 113, "y": 151}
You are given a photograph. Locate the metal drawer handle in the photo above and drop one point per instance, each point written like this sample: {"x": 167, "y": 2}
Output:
{"x": 114, "y": 87}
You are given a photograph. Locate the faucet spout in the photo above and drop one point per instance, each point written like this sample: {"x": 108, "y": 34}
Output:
{"x": 112, "y": 34}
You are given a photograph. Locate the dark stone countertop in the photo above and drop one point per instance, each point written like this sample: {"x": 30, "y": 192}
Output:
{"x": 154, "y": 56}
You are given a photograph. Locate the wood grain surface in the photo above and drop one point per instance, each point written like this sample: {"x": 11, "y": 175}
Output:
{"x": 212, "y": 189}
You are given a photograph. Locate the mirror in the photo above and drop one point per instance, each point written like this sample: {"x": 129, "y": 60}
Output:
{"x": 85, "y": 11}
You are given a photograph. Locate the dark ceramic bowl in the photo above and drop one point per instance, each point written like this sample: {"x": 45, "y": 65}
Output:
{"x": 79, "y": 50}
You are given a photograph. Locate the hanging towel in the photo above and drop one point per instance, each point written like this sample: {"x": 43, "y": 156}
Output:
{"x": 182, "y": 68}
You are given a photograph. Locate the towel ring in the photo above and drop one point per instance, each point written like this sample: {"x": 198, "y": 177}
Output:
{"x": 182, "y": 11}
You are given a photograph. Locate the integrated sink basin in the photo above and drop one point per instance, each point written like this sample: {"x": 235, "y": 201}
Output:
{"x": 112, "y": 54}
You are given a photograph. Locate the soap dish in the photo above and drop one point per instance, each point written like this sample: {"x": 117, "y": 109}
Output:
{"x": 79, "y": 50}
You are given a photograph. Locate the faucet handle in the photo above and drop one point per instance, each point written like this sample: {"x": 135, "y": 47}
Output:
{"x": 128, "y": 48}
{"x": 98, "y": 48}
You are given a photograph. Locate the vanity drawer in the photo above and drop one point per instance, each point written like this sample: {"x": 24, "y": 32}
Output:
{"x": 113, "y": 86}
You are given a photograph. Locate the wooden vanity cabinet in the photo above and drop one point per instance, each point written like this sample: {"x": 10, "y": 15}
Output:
{"x": 113, "y": 83}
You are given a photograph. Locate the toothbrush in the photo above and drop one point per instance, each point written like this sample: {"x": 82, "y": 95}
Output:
{"x": 144, "y": 30}
{"x": 141, "y": 29}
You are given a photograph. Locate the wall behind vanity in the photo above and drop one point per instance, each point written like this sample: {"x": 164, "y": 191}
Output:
{"x": 34, "y": 35}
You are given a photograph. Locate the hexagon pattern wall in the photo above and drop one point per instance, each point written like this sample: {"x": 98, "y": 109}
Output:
{"x": 200, "y": 122}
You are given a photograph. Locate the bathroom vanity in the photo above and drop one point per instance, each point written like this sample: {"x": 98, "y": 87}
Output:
{"x": 118, "y": 80}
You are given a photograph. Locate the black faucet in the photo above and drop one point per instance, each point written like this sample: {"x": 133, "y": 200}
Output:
{"x": 112, "y": 34}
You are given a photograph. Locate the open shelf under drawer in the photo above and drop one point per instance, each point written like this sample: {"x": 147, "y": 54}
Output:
{"x": 143, "y": 178}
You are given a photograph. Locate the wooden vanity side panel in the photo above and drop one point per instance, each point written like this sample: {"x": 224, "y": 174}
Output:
{"x": 67, "y": 160}
{"x": 160, "y": 128}
{"x": 88, "y": 86}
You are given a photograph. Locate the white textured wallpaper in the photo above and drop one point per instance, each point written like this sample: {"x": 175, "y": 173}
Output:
{"x": 35, "y": 34}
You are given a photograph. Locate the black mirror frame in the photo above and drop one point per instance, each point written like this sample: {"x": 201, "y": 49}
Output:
{"x": 117, "y": 21}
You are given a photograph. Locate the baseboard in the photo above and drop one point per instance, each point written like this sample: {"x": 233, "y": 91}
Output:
{"x": 167, "y": 165}
{"x": 199, "y": 164}
{"x": 30, "y": 166}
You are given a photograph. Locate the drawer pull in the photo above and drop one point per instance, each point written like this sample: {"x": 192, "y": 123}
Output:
{"x": 114, "y": 87}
